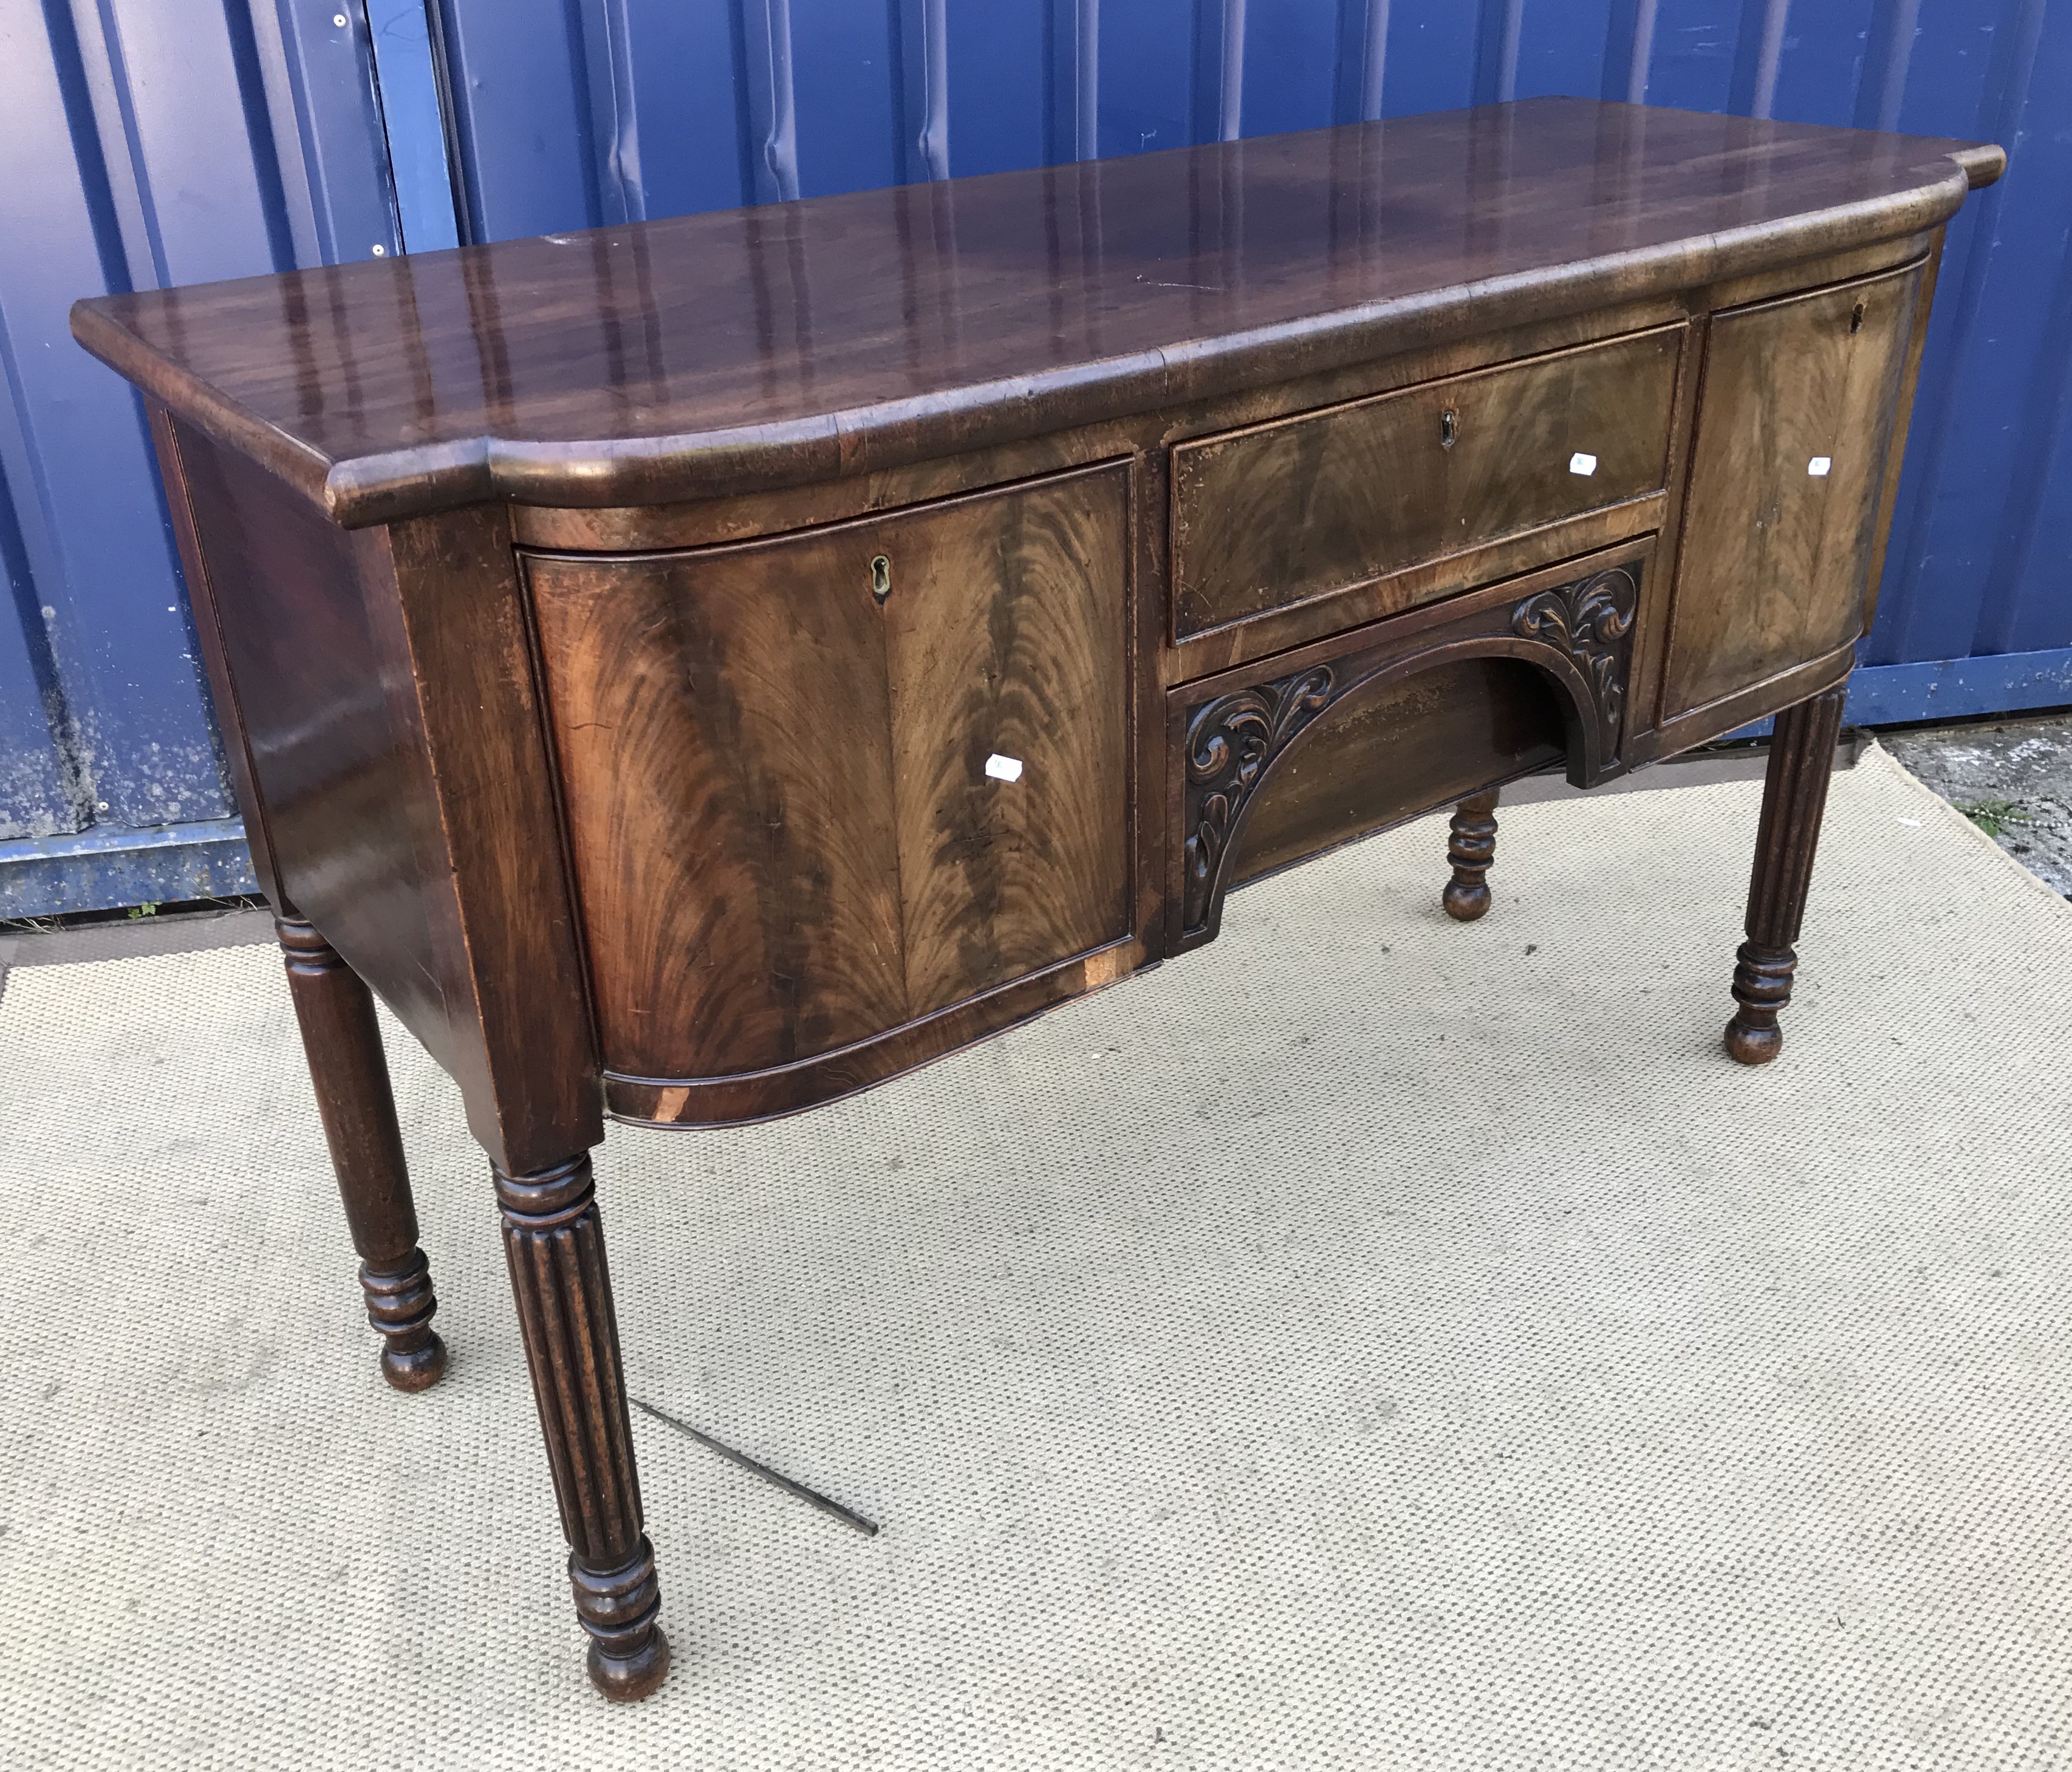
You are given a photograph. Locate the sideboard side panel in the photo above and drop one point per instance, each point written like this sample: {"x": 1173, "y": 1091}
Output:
{"x": 332, "y": 789}
{"x": 1895, "y": 454}
{"x": 208, "y": 635}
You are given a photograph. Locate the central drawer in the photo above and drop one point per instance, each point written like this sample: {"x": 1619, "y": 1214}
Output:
{"x": 1305, "y": 508}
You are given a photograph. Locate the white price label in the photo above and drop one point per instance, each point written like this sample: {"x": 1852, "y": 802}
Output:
{"x": 1582, "y": 462}
{"x": 1818, "y": 465}
{"x": 1003, "y": 768}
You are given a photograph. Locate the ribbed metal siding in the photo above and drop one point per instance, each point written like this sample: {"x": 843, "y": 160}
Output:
{"x": 148, "y": 142}
{"x": 142, "y": 143}
{"x": 569, "y": 117}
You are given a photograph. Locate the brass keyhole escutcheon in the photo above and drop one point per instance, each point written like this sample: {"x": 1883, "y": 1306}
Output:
{"x": 1449, "y": 428}
{"x": 1856, "y": 320}
{"x": 881, "y": 577}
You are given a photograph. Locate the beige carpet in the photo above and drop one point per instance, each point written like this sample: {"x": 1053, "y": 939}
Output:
{"x": 1367, "y": 1342}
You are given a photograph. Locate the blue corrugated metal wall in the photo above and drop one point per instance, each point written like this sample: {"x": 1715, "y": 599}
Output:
{"x": 571, "y": 115}
{"x": 142, "y": 143}
{"x": 154, "y": 141}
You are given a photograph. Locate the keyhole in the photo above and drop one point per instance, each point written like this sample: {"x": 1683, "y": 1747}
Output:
{"x": 1856, "y": 320}
{"x": 880, "y": 578}
{"x": 1450, "y": 429}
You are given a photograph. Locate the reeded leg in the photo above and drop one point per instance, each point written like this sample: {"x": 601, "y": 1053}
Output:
{"x": 343, "y": 1042}
{"x": 1794, "y": 795}
{"x": 1471, "y": 847}
{"x": 555, "y": 1246}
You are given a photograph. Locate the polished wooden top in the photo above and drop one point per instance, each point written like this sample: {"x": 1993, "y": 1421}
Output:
{"x": 761, "y": 346}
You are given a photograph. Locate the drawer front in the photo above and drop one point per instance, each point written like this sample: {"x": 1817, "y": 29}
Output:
{"x": 1305, "y": 507}
{"x": 1795, "y": 416}
{"x": 775, "y": 766}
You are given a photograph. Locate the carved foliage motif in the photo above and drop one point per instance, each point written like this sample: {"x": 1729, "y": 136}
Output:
{"x": 1233, "y": 742}
{"x": 1591, "y": 622}
{"x": 1229, "y": 744}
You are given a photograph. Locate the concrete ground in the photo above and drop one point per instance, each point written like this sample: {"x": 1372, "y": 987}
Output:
{"x": 2012, "y": 778}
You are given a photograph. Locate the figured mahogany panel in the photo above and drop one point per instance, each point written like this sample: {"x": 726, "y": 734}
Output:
{"x": 1007, "y": 644}
{"x": 1795, "y": 416}
{"x": 1375, "y": 760}
{"x": 787, "y": 1088}
{"x": 775, "y": 763}
{"x": 724, "y": 738}
{"x": 1308, "y": 507}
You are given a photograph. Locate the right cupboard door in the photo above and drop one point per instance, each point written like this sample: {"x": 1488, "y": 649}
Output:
{"x": 1795, "y": 419}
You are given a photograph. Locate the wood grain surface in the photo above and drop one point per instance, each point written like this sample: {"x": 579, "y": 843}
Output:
{"x": 1376, "y": 760}
{"x": 1774, "y": 556}
{"x": 782, "y": 826}
{"x": 330, "y": 782}
{"x": 1317, "y": 505}
{"x": 349, "y": 1070}
{"x": 810, "y": 340}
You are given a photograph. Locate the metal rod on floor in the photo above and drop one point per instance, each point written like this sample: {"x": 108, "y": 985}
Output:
{"x": 813, "y": 1497}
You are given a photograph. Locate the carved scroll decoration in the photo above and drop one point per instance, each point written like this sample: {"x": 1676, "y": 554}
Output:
{"x": 1591, "y": 621}
{"x": 1229, "y": 744}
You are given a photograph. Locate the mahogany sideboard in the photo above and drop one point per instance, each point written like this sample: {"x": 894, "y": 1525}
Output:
{"x": 691, "y": 670}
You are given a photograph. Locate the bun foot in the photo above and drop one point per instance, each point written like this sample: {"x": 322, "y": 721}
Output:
{"x": 1763, "y": 986}
{"x": 415, "y": 1368}
{"x": 1748, "y": 1044}
{"x": 624, "y": 1679}
{"x": 1463, "y": 902}
{"x": 400, "y": 1303}
{"x": 620, "y": 1608}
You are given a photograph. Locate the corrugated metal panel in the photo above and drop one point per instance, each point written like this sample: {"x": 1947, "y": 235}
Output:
{"x": 142, "y": 143}
{"x": 157, "y": 141}
{"x": 650, "y": 108}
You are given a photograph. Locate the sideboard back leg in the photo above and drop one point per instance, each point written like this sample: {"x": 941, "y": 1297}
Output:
{"x": 555, "y": 1245}
{"x": 1794, "y": 795}
{"x": 1471, "y": 847}
{"x": 342, "y": 1043}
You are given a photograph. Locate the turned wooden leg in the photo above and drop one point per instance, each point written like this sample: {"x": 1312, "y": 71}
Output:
{"x": 1471, "y": 847}
{"x": 1794, "y": 795}
{"x": 555, "y": 1246}
{"x": 343, "y": 1042}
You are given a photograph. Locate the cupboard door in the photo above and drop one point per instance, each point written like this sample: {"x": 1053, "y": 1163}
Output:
{"x": 819, "y": 785}
{"x": 723, "y": 741}
{"x": 1795, "y": 416}
{"x": 1007, "y": 650}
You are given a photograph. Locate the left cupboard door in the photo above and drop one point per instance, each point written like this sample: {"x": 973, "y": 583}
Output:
{"x": 822, "y": 784}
